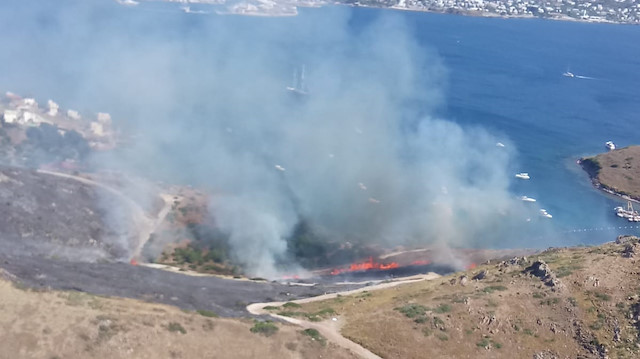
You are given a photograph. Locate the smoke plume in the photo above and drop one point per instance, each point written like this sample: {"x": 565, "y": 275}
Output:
{"x": 362, "y": 155}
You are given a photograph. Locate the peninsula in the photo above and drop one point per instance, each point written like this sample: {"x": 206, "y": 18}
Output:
{"x": 616, "y": 172}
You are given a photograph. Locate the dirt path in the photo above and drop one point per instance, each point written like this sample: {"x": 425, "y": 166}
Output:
{"x": 331, "y": 328}
{"x": 146, "y": 226}
{"x": 144, "y": 236}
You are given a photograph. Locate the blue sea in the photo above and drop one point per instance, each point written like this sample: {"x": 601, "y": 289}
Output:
{"x": 502, "y": 74}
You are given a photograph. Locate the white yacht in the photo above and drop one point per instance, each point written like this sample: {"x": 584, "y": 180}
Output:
{"x": 544, "y": 213}
{"x": 298, "y": 86}
{"x": 568, "y": 74}
{"x": 527, "y": 199}
{"x": 610, "y": 145}
{"x": 523, "y": 175}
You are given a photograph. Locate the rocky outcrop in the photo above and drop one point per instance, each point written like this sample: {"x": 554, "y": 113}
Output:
{"x": 541, "y": 270}
{"x": 480, "y": 275}
{"x": 547, "y": 354}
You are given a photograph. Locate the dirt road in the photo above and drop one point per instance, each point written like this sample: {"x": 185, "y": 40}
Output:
{"x": 331, "y": 328}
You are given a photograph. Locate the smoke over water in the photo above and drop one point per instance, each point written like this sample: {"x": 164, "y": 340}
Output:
{"x": 361, "y": 157}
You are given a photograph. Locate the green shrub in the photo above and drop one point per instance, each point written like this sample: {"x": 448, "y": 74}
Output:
{"x": 176, "y": 327}
{"x": 266, "y": 328}
{"x": 412, "y": 310}
{"x": 291, "y": 305}
{"x": 602, "y": 296}
{"x": 443, "y": 308}
{"x": 420, "y": 320}
{"x": 315, "y": 335}
{"x": 492, "y": 288}
{"x": 207, "y": 313}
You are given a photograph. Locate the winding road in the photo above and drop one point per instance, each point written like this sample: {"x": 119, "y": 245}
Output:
{"x": 330, "y": 329}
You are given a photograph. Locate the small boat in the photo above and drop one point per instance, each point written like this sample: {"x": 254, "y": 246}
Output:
{"x": 298, "y": 86}
{"x": 610, "y": 145}
{"x": 527, "y": 199}
{"x": 628, "y": 213}
{"x": 544, "y": 213}
{"x": 499, "y": 144}
{"x": 523, "y": 175}
{"x": 568, "y": 74}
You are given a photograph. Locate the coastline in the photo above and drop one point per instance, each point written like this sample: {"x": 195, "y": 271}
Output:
{"x": 273, "y": 11}
{"x": 593, "y": 172}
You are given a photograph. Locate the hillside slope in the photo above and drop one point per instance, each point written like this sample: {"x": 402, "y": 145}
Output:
{"x": 59, "y": 324}
{"x": 563, "y": 303}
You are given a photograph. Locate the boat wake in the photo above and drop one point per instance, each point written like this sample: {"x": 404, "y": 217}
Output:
{"x": 584, "y": 77}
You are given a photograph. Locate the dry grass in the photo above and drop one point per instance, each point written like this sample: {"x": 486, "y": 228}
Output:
{"x": 49, "y": 324}
{"x": 509, "y": 312}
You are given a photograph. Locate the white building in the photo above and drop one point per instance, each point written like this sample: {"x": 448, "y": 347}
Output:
{"x": 11, "y": 116}
{"x": 97, "y": 129}
{"x": 104, "y": 118}
{"x": 32, "y": 119}
{"x": 53, "y": 108}
{"x": 29, "y": 104}
{"x": 73, "y": 114}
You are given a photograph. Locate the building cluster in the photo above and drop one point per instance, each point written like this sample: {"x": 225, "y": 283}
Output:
{"x": 25, "y": 112}
{"x": 616, "y": 11}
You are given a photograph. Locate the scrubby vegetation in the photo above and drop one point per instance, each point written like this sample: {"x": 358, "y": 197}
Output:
{"x": 315, "y": 335}
{"x": 207, "y": 313}
{"x": 176, "y": 327}
{"x": 266, "y": 328}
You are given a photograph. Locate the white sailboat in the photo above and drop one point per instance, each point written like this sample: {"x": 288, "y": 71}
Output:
{"x": 298, "y": 86}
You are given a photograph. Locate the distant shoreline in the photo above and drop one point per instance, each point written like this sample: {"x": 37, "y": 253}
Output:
{"x": 274, "y": 11}
{"x": 594, "y": 168}
{"x": 450, "y": 11}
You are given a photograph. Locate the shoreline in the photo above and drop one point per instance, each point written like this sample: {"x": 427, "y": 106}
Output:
{"x": 595, "y": 182}
{"x": 447, "y": 11}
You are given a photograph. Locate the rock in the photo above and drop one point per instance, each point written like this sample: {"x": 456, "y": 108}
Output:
{"x": 464, "y": 280}
{"x": 547, "y": 354}
{"x": 627, "y": 239}
{"x": 481, "y": 275}
{"x": 541, "y": 270}
{"x": 630, "y": 250}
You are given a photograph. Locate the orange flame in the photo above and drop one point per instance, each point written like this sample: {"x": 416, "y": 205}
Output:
{"x": 471, "y": 266}
{"x": 363, "y": 266}
{"x": 133, "y": 262}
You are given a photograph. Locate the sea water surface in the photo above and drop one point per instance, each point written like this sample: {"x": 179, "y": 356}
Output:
{"x": 502, "y": 74}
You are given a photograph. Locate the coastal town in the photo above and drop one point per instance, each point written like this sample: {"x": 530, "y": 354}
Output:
{"x": 37, "y": 135}
{"x": 616, "y": 11}
{"x": 608, "y": 11}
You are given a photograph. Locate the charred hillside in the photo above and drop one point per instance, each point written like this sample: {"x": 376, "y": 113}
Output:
{"x": 47, "y": 215}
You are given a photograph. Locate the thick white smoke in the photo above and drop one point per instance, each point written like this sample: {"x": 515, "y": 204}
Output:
{"x": 361, "y": 156}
